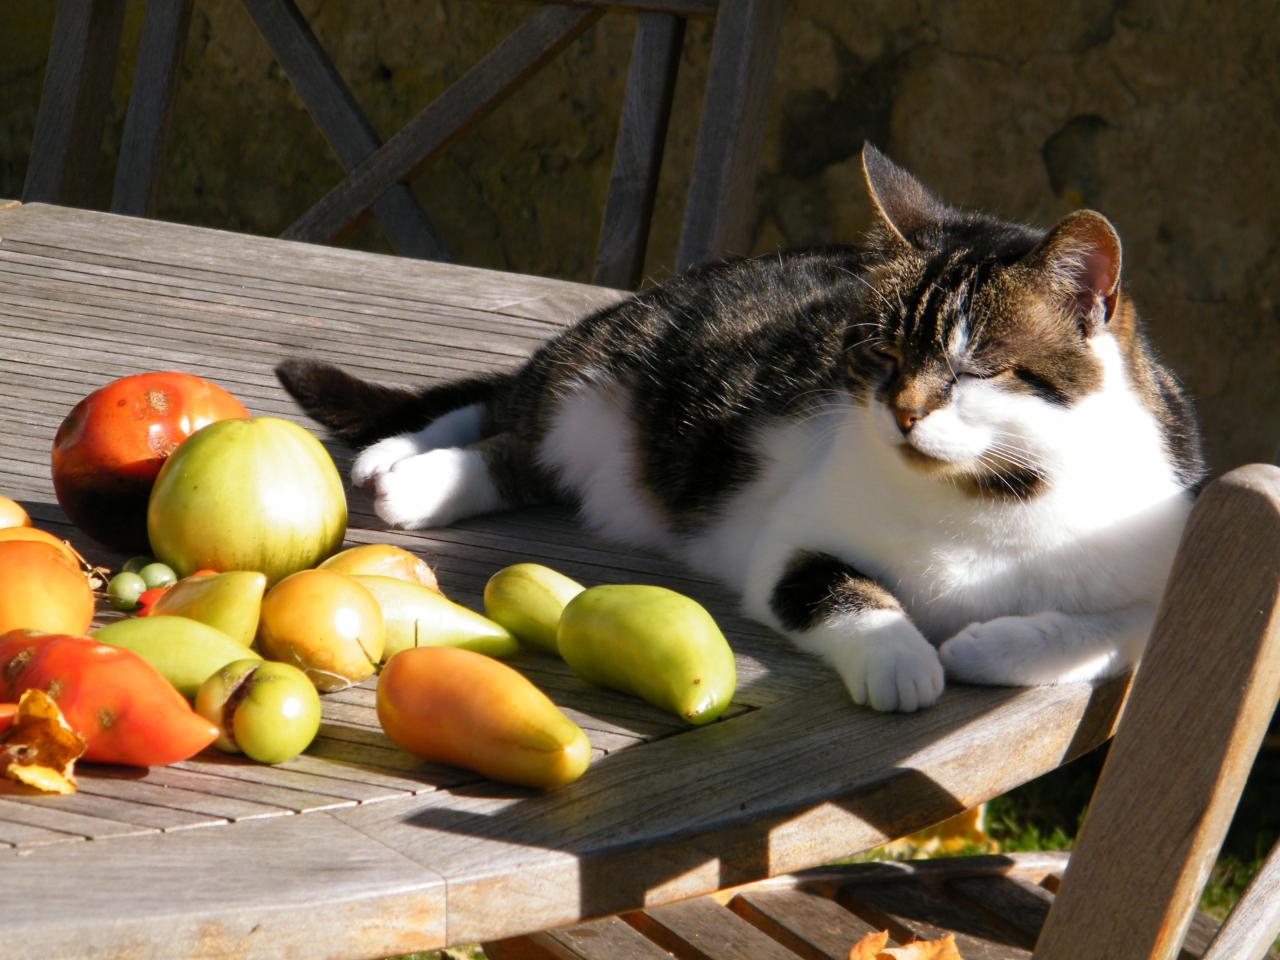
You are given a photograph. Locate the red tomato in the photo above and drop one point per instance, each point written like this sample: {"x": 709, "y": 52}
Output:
{"x": 147, "y": 599}
{"x": 126, "y": 711}
{"x": 41, "y": 588}
{"x": 108, "y": 450}
{"x": 8, "y": 711}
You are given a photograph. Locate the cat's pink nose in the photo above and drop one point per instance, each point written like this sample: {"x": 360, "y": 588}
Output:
{"x": 907, "y": 418}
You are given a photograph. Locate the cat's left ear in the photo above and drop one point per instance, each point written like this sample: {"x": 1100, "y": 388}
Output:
{"x": 1080, "y": 262}
{"x": 903, "y": 205}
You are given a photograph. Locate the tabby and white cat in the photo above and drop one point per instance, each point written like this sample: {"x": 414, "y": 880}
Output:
{"x": 947, "y": 447}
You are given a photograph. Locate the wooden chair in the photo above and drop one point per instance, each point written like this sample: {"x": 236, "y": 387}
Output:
{"x": 1196, "y": 714}
{"x": 82, "y": 60}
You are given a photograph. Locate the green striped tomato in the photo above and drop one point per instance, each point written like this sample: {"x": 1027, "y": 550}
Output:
{"x": 256, "y": 494}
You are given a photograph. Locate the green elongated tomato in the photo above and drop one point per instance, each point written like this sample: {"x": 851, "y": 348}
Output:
{"x": 257, "y": 494}
{"x": 650, "y": 642}
{"x": 527, "y": 599}
{"x": 185, "y": 652}
{"x": 418, "y": 616}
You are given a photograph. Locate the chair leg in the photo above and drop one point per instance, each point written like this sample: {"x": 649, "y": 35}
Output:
{"x": 74, "y": 101}
{"x": 717, "y": 217}
{"x": 146, "y": 125}
{"x": 637, "y": 155}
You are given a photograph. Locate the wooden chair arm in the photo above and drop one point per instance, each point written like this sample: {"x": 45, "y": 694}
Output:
{"x": 1197, "y": 712}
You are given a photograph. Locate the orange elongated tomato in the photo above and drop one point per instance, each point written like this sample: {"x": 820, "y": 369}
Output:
{"x": 126, "y": 711}
{"x": 109, "y": 448}
{"x": 42, "y": 588}
{"x": 469, "y": 710}
{"x": 42, "y": 536}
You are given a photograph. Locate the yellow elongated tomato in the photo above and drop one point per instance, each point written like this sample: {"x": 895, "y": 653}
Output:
{"x": 325, "y": 624}
{"x": 41, "y": 589}
{"x": 12, "y": 514}
{"x": 465, "y": 709}
{"x": 251, "y": 494}
{"x": 382, "y": 560}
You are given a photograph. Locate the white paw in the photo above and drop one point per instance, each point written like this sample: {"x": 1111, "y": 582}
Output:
{"x": 1011, "y": 651}
{"x": 382, "y": 456}
{"x": 889, "y": 665}
{"x": 433, "y": 489}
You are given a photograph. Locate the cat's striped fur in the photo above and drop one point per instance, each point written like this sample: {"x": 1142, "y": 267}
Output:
{"x": 949, "y": 444}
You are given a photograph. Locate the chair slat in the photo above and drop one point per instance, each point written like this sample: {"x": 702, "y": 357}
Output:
{"x": 704, "y": 930}
{"x": 1254, "y": 922}
{"x": 909, "y": 908}
{"x": 1206, "y": 687}
{"x": 164, "y": 36}
{"x": 73, "y": 101}
{"x": 535, "y": 42}
{"x": 343, "y": 123}
{"x": 684, "y": 8}
{"x": 733, "y": 114}
{"x": 808, "y": 924}
{"x": 1018, "y": 903}
{"x": 637, "y": 156}
{"x": 606, "y": 939}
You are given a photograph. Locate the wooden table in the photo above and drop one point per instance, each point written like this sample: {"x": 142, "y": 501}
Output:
{"x": 356, "y": 849}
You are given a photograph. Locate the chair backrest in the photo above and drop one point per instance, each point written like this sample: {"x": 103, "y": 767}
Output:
{"x": 1196, "y": 715}
{"x": 82, "y": 59}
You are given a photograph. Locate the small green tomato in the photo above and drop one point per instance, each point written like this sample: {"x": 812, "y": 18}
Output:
{"x": 158, "y": 575}
{"x": 134, "y": 564}
{"x": 268, "y": 711}
{"x": 124, "y": 589}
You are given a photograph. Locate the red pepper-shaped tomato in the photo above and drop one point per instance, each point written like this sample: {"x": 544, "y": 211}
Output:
{"x": 128, "y": 712}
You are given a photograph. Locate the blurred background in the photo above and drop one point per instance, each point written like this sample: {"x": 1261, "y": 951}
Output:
{"x": 1159, "y": 113}
{"x": 1162, "y": 114}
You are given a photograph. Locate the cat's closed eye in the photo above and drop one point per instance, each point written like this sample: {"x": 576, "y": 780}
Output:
{"x": 888, "y": 356}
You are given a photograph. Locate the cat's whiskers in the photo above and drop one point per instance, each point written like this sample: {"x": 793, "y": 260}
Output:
{"x": 998, "y": 473}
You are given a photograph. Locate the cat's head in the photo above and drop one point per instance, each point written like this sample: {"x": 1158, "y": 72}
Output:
{"x": 977, "y": 334}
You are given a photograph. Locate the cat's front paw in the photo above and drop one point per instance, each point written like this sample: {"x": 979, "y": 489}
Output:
{"x": 379, "y": 458}
{"x": 1007, "y": 651}
{"x": 419, "y": 491}
{"x": 434, "y": 489}
{"x": 891, "y": 667}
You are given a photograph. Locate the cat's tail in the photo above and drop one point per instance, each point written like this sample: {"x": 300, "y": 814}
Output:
{"x": 361, "y": 412}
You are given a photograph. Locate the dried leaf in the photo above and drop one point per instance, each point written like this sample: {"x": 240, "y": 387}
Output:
{"x": 944, "y": 949}
{"x": 869, "y": 947}
{"x": 40, "y": 748}
{"x": 873, "y": 947}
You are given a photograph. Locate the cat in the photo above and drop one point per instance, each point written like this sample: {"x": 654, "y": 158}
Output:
{"x": 946, "y": 449}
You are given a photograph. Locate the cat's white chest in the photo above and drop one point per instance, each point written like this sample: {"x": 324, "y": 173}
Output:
{"x": 1100, "y": 537}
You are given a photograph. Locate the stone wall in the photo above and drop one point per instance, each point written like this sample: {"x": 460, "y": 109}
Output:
{"x": 1160, "y": 113}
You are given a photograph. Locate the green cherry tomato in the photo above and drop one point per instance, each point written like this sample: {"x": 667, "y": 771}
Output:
{"x": 158, "y": 575}
{"x": 124, "y": 589}
{"x": 134, "y": 564}
{"x": 268, "y": 711}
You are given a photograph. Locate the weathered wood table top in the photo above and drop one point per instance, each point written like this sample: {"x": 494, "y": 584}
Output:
{"x": 357, "y": 849}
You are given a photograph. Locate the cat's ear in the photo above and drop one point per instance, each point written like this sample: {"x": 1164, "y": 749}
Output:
{"x": 1079, "y": 261}
{"x": 904, "y": 205}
